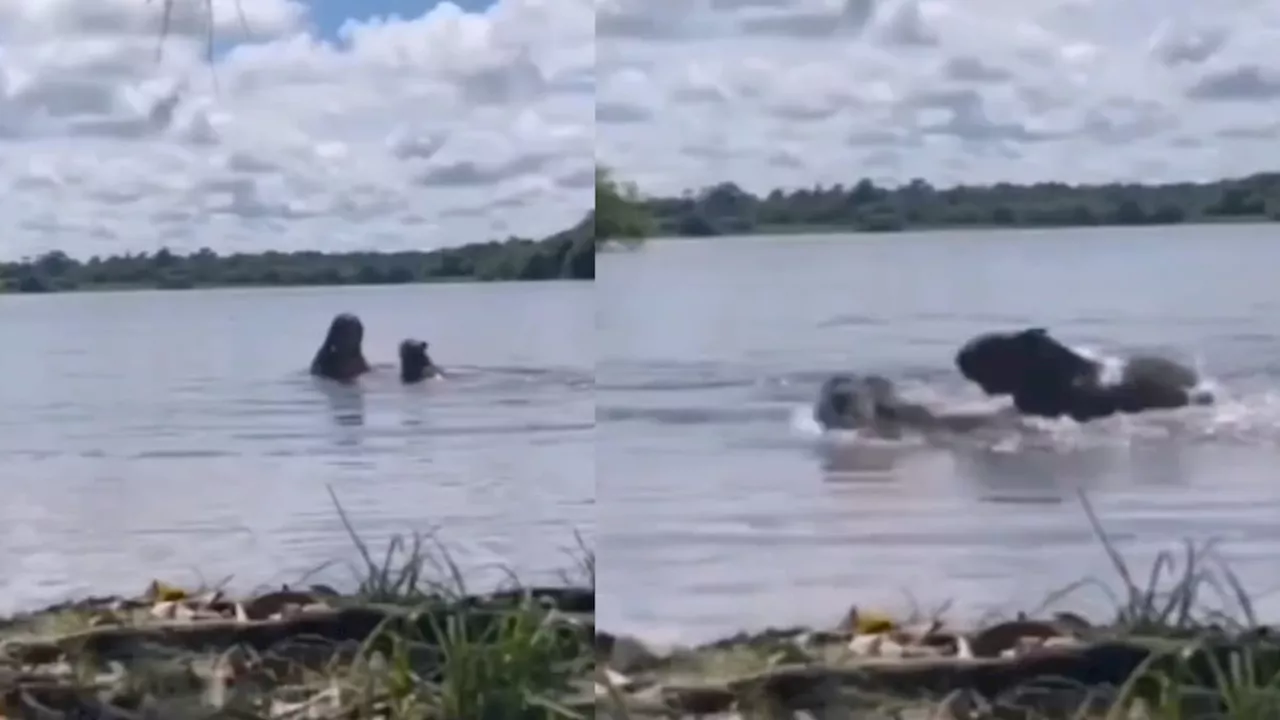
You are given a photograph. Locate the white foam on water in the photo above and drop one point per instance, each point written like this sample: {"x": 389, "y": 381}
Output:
{"x": 1112, "y": 366}
{"x": 804, "y": 424}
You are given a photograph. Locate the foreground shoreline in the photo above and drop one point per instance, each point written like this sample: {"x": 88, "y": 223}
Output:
{"x": 408, "y": 642}
{"x": 313, "y": 653}
{"x": 1058, "y": 666}
{"x": 1181, "y": 643}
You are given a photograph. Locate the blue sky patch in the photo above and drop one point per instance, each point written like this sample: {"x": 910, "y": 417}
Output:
{"x": 329, "y": 15}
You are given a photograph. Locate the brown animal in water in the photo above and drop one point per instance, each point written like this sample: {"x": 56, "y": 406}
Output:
{"x": 340, "y": 356}
{"x": 415, "y": 364}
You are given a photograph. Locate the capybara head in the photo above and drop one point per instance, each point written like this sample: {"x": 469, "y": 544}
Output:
{"x": 1007, "y": 363}
{"x": 340, "y": 356}
{"x": 346, "y": 334}
{"x": 415, "y": 363}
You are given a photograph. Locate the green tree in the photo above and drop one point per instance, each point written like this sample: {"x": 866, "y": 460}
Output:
{"x": 864, "y": 206}
{"x": 620, "y": 212}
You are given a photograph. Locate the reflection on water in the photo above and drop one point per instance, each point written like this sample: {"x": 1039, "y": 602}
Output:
{"x": 167, "y": 434}
{"x": 346, "y": 403}
{"x": 862, "y": 458}
{"x": 721, "y": 509}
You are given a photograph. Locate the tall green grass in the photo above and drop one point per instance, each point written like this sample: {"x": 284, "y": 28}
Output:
{"x": 1228, "y": 668}
{"x": 1184, "y": 593}
{"x": 518, "y": 661}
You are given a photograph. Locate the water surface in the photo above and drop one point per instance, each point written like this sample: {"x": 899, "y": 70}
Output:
{"x": 177, "y": 434}
{"x": 720, "y": 506}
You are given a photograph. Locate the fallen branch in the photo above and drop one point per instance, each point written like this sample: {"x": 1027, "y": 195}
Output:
{"x": 126, "y": 643}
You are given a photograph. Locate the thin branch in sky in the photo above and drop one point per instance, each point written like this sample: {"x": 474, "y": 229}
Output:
{"x": 166, "y": 20}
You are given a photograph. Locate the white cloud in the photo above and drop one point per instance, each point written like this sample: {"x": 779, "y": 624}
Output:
{"x": 438, "y": 130}
{"x": 771, "y": 93}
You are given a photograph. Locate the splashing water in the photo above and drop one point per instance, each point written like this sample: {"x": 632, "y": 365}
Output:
{"x": 1253, "y": 418}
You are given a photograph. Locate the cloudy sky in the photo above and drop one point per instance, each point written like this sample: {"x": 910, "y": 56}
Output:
{"x": 330, "y": 124}
{"x": 794, "y": 92}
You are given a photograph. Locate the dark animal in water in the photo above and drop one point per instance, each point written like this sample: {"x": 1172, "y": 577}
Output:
{"x": 415, "y": 363}
{"x": 1046, "y": 378}
{"x": 340, "y": 356}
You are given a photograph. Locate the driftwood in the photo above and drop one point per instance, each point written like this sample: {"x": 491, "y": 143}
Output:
{"x": 1105, "y": 663}
{"x": 1046, "y": 675}
{"x": 352, "y": 624}
{"x": 172, "y": 653}
{"x": 127, "y": 642}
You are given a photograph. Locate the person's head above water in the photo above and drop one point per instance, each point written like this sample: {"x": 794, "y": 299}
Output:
{"x": 340, "y": 356}
{"x": 415, "y": 363}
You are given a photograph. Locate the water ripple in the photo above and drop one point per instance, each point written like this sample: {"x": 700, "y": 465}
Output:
{"x": 195, "y": 443}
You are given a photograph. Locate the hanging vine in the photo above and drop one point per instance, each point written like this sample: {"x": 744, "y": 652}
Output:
{"x": 166, "y": 19}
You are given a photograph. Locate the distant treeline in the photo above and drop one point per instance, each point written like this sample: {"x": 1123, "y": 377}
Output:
{"x": 727, "y": 209}
{"x": 568, "y": 255}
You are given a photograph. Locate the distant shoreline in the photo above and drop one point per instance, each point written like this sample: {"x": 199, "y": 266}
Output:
{"x": 726, "y": 209}
{"x": 144, "y": 287}
{"x": 782, "y": 231}
{"x": 569, "y": 255}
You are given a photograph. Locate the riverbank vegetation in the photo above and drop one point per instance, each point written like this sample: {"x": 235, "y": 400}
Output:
{"x": 567, "y": 255}
{"x": 620, "y": 214}
{"x": 864, "y": 206}
{"x": 1183, "y": 643}
{"x": 406, "y": 643}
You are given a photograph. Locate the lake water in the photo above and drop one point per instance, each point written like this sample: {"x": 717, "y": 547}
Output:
{"x": 722, "y": 507}
{"x": 177, "y": 434}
